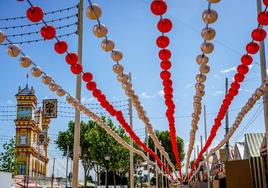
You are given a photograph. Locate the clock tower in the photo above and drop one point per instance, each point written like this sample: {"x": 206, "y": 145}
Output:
{"x": 30, "y": 156}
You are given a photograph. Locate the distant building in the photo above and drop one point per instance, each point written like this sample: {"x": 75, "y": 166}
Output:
{"x": 30, "y": 124}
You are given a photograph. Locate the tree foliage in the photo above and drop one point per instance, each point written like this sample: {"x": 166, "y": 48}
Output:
{"x": 95, "y": 144}
{"x": 164, "y": 138}
{"x": 7, "y": 157}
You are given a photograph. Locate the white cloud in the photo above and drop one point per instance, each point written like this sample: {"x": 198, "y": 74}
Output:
{"x": 145, "y": 95}
{"x": 84, "y": 100}
{"x": 161, "y": 93}
{"x": 225, "y": 71}
{"x": 189, "y": 85}
{"x": 217, "y": 93}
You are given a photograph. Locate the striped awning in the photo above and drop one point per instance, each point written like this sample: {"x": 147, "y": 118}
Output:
{"x": 253, "y": 143}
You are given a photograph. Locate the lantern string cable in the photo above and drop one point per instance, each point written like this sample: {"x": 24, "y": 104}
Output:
{"x": 39, "y": 23}
{"x": 155, "y": 138}
{"x": 253, "y": 118}
{"x": 38, "y": 40}
{"x": 202, "y": 152}
{"x": 36, "y": 32}
{"x": 195, "y": 124}
{"x": 45, "y": 13}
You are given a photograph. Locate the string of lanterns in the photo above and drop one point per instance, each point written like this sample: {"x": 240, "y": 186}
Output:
{"x": 26, "y": 62}
{"x": 46, "y": 13}
{"x": 259, "y": 92}
{"x": 39, "y": 40}
{"x": 38, "y": 23}
{"x": 209, "y": 17}
{"x": 48, "y": 32}
{"x": 164, "y": 25}
{"x": 94, "y": 12}
{"x": 258, "y": 35}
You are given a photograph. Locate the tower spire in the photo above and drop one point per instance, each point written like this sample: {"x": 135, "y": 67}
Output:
{"x": 27, "y": 77}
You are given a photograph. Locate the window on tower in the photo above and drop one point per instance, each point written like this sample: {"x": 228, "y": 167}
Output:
{"x": 24, "y": 113}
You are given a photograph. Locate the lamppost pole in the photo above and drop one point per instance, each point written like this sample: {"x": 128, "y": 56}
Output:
{"x": 78, "y": 97}
{"x": 263, "y": 77}
{"x": 107, "y": 159}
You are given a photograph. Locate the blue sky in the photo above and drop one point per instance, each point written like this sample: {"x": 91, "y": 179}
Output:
{"x": 133, "y": 28}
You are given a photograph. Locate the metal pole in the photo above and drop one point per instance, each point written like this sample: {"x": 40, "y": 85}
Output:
{"x": 226, "y": 121}
{"x": 162, "y": 175}
{"x": 67, "y": 165}
{"x": 263, "y": 77}
{"x": 78, "y": 97}
{"x": 52, "y": 177}
{"x": 165, "y": 162}
{"x": 106, "y": 179}
{"x": 38, "y": 164}
{"x": 148, "y": 165}
{"x": 156, "y": 172}
{"x": 131, "y": 160}
{"x": 205, "y": 127}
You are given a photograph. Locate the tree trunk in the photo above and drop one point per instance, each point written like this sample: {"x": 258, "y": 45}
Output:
{"x": 98, "y": 176}
{"x": 114, "y": 179}
{"x": 85, "y": 177}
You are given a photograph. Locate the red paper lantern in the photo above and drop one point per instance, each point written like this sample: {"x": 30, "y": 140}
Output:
{"x": 168, "y": 90}
{"x": 97, "y": 93}
{"x": 239, "y": 77}
{"x": 235, "y": 85}
{"x": 252, "y": 48}
{"x": 48, "y": 32}
{"x": 35, "y": 14}
{"x": 246, "y": 59}
{"x": 258, "y": 34}
{"x": 168, "y": 96}
{"x": 164, "y": 25}
{"x": 233, "y": 92}
{"x": 164, "y": 54}
{"x": 230, "y": 97}
{"x": 102, "y": 98}
{"x": 104, "y": 104}
{"x": 76, "y": 68}
{"x": 87, "y": 77}
{"x": 61, "y": 47}
{"x": 263, "y": 18}
{"x": 265, "y": 2}
{"x": 158, "y": 7}
{"x": 167, "y": 83}
{"x": 242, "y": 69}
{"x": 162, "y": 41}
{"x": 165, "y": 65}
{"x": 91, "y": 85}
{"x": 71, "y": 58}
{"x": 165, "y": 75}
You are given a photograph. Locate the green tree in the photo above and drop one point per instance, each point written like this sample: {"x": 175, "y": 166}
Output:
{"x": 164, "y": 138}
{"x": 65, "y": 139}
{"x": 7, "y": 157}
{"x": 95, "y": 145}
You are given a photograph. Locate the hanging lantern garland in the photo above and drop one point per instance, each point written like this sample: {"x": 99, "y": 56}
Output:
{"x": 76, "y": 68}
{"x": 164, "y": 25}
{"x": 94, "y": 12}
{"x": 209, "y": 17}
{"x": 37, "y": 72}
{"x": 259, "y": 92}
{"x": 252, "y": 48}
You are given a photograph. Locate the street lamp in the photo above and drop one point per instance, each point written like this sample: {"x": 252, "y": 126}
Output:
{"x": 107, "y": 159}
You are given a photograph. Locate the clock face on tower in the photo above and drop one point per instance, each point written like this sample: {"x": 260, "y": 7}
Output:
{"x": 24, "y": 113}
